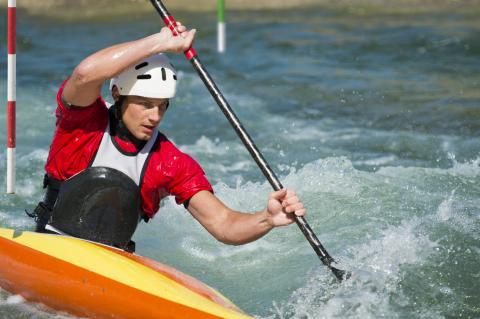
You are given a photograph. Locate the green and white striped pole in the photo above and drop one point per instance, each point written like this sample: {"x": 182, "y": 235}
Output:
{"x": 221, "y": 30}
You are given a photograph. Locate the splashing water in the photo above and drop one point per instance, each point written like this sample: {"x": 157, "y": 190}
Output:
{"x": 372, "y": 119}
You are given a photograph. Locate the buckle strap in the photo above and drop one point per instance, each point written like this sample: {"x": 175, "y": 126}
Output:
{"x": 51, "y": 182}
{"x": 129, "y": 247}
{"x": 41, "y": 215}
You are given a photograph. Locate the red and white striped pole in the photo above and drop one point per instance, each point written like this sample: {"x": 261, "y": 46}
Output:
{"x": 11, "y": 96}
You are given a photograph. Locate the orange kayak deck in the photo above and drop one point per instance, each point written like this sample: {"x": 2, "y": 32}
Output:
{"x": 96, "y": 281}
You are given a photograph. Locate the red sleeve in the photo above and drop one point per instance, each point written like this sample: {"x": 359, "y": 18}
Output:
{"x": 170, "y": 172}
{"x": 188, "y": 180}
{"x": 70, "y": 118}
{"x": 76, "y": 138}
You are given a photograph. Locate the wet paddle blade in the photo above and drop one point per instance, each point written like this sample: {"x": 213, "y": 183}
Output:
{"x": 340, "y": 274}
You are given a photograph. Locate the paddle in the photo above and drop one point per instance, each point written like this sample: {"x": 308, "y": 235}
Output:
{"x": 192, "y": 56}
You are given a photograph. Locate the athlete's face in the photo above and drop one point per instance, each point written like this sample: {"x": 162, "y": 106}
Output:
{"x": 142, "y": 115}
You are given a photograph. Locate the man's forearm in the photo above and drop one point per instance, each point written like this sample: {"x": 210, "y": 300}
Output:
{"x": 85, "y": 83}
{"x": 242, "y": 228}
{"x": 110, "y": 61}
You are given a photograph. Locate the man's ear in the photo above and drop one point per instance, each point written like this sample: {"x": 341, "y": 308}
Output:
{"x": 115, "y": 93}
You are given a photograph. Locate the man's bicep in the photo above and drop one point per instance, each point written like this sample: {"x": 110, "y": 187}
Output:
{"x": 78, "y": 93}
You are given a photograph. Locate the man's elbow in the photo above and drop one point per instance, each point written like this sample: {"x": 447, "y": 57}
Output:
{"x": 82, "y": 75}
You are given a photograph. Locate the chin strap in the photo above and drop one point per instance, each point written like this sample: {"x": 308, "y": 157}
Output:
{"x": 118, "y": 128}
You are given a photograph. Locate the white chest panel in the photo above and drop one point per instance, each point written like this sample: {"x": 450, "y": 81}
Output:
{"x": 108, "y": 155}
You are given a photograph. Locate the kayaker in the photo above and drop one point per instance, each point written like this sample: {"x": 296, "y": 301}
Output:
{"x": 120, "y": 144}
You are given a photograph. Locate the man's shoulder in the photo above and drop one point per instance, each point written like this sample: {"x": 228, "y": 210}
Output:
{"x": 166, "y": 151}
{"x": 164, "y": 144}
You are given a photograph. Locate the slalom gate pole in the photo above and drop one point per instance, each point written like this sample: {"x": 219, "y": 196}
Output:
{"x": 221, "y": 27}
{"x": 11, "y": 95}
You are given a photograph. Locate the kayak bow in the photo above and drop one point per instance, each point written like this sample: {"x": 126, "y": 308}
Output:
{"x": 96, "y": 281}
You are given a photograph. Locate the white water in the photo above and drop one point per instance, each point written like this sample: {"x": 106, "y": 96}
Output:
{"x": 372, "y": 119}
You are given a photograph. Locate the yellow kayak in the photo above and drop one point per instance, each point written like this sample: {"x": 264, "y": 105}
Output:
{"x": 96, "y": 281}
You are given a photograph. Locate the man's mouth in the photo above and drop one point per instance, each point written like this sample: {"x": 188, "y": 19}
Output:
{"x": 148, "y": 128}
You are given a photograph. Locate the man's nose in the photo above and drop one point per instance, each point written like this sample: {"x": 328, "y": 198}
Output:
{"x": 154, "y": 115}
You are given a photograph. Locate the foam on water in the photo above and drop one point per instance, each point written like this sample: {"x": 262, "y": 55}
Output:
{"x": 9, "y": 221}
{"x": 444, "y": 211}
{"x": 374, "y": 234}
{"x": 468, "y": 169}
{"x": 15, "y": 299}
{"x": 377, "y": 269}
{"x": 15, "y": 306}
{"x": 379, "y": 161}
{"x": 381, "y": 267}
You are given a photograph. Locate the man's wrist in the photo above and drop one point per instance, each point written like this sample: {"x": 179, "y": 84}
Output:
{"x": 266, "y": 220}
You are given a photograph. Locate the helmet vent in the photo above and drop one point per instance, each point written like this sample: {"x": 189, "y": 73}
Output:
{"x": 141, "y": 65}
{"x": 151, "y": 77}
{"x": 164, "y": 74}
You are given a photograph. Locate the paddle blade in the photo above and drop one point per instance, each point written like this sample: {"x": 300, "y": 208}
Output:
{"x": 340, "y": 274}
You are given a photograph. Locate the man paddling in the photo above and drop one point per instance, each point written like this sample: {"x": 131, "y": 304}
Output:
{"x": 102, "y": 159}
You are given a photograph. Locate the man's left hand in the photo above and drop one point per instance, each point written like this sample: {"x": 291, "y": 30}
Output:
{"x": 282, "y": 207}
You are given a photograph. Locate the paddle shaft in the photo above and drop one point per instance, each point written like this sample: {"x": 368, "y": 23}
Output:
{"x": 192, "y": 56}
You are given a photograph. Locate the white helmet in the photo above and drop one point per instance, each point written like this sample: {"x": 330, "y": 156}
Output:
{"x": 153, "y": 77}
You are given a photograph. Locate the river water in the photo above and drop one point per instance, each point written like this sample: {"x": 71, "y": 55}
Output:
{"x": 373, "y": 118}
